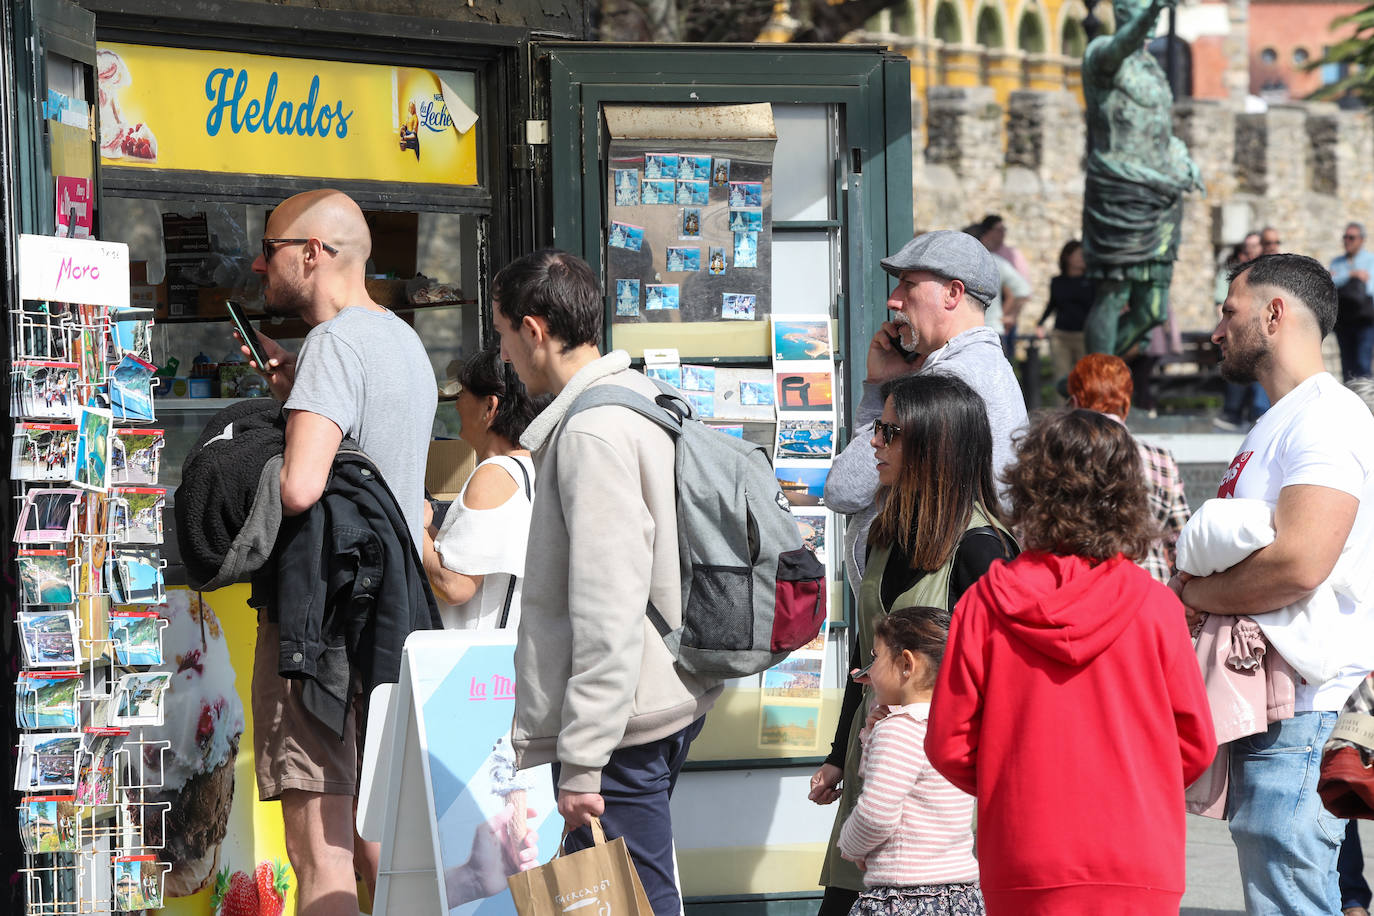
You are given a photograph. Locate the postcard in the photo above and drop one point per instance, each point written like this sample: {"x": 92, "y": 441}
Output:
{"x": 95, "y": 779}
{"x": 137, "y": 882}
{"x": 694, "y": 167}
{"x": 746, "y": 194}
{"x": 737, "y": 306}
{"x": 135, "y": 456}
{"x": 716, "y": 264}
{"x": 796, "y": 678}
{"x": 789, "y": 726}
{"x": 698, "y": 378}
{"x": 47, "y": 517}
{"x": 623, "y": 235}
{"x": 801, "y": 338}
{"x": 802, "y": 482}
{"x": 806, "y": 438}
{"x": 93, "y": 449}
{"x": 138, "y": 699}
{"x": 44, "y": 451}
{"x": 626, "y": 183}
{"x": 756, "y": 394}
{"x": 658, "y": 296}
{"x": 660, "y": 165}
{"x": 44, "y": 390}
{"x": 806, "y": 391}
{"x": 670, "y": 374}
{"x": 137, "y": 577}
{"x": 627, "y": 298}
{"x": 49, "y": 823}
{"x": 137, "y": 637}
{"x": 720, "y": 172}
{"x": 48, "y": 699}
{"x": 691, "y": 223}
{"x": 703, "y": 404}
{"x": 746, "y": 220}
{"x": 131, "y": 333}
{"x": 746, "y": 249}
{"x": 135, "y": 514}
{"x": 45, "y": 577}
{"x": 813, "y": 527}
{"x": 49, "y": 639}
{"x": 696, "y": 193}
{"x": 735, "y": 431}
{"x": 658, "y": 191}
{"x": 131, "y": 389}
{"x": 683, "y": 260}
{"x": 47, "y": 761}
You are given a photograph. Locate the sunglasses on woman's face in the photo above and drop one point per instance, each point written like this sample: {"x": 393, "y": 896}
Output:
{"x": 888, "y": 431}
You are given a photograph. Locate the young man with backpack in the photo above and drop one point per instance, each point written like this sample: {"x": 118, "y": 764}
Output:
{"x": 598, "y": 692}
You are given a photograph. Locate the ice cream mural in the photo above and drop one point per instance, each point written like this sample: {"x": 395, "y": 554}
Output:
{"x": 118, "y": 138}
{"x": 203, "y": 722}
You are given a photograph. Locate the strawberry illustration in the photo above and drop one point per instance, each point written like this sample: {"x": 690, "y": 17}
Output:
{"x": 235, "y": 895}
{"x": 272, "y": 885}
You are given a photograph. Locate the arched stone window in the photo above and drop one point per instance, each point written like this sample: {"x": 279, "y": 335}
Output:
{"x": 1030, "y": 34}
{"x": 989, "y": 33}
{"x": 947, "y": 27}
{"x": 1072, "y": 39}
{"x": 904, "y": 19}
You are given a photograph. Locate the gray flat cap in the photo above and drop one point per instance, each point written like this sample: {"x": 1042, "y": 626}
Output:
{"x": 954, "y": 255}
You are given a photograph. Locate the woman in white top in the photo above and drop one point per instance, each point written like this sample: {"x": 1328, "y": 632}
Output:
{"x": 476, "y": 560}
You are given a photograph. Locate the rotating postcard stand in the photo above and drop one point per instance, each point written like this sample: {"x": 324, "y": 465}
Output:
{"x": 461, "y": 781}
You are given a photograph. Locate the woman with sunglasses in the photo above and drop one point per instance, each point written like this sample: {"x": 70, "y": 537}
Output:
{"x": 937, "y": 531}
{"x": 476, "y": 560}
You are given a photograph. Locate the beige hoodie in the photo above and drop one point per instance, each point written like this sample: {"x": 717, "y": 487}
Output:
{"x": 592, "y": 673}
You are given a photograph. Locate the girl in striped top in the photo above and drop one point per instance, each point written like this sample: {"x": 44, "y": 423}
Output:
{"x": 910, "y": 830}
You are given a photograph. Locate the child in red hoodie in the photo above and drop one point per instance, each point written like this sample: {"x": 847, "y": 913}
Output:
{"x": 1070, "y": 700}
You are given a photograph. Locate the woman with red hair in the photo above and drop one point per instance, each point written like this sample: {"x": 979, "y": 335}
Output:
{"x": 1103, "y": 383}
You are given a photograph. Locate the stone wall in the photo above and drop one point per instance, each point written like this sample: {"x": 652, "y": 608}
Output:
{"x": 1305, "y": 168}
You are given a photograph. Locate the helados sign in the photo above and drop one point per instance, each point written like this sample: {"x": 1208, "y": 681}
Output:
{"x": 302, "y": 118}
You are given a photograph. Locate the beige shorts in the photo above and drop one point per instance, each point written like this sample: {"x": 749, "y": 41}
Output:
{"x": 291, "y": 748}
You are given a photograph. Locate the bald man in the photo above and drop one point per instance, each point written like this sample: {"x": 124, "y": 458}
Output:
{"x": 362, "y": 372}
{"x": 1310, "y": 458}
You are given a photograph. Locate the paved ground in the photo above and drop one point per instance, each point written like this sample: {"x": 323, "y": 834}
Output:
{"x": 1213, "y": 878}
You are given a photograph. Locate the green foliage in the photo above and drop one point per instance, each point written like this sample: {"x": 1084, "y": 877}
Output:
{"x": 1355, "y": 51}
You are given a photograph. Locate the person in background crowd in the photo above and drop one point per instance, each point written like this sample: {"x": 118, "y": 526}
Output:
{"x": 1270, "y": 243}
{"x": 910, "y": 830}
{"x": 945, "y": 280}
{"x": 1238, "y": 398}
{"x": 1311, "y": 456}
{"x": 362, "y": 372}
{"x": 1013, "y": 288}
{"x": 597, "y": 693}
{"x": 993, "y": 232}
{"x": 937, "y": 532}
{"x": 476, "y": 559}
{"x": 1070, "y": 701}
{"x": 1103, "y": 383}
{"x": 1071, "y": 298}
{"x": 1353, "y": 274}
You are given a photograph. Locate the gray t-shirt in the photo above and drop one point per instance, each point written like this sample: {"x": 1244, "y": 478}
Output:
{"x": 369, "y": 373}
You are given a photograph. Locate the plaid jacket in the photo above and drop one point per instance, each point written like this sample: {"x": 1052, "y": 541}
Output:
{"x": 1168, "y": 505}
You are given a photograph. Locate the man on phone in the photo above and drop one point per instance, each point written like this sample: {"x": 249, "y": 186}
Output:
{"x": 362, "y": 372}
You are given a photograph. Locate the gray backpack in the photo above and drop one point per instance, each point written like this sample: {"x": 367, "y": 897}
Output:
{"x": 751, "y": 593}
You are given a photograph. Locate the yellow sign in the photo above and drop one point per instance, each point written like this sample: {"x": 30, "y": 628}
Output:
{"x": 171, "y": 108}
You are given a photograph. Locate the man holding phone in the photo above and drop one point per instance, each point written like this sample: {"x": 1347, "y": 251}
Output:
{"x": 362, "y": 372}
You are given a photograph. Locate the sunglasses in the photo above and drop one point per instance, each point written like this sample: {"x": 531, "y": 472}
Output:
{"x": 888, "y": 431}
{"x": 270, "y": 246}
{"x": 1351, "y": 238}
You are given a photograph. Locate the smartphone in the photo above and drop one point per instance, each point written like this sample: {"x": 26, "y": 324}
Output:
{"x": 909, "y": 355}
{"x": 250, "y": 337}
{"x": 862, "y": 672}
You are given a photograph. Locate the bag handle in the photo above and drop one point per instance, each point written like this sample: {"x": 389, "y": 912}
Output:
{"x": 598, "y": 835}
{"x": 510, "y": 589}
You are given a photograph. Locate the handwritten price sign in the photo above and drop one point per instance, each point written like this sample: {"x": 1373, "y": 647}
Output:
{"x": 74, "y": 270}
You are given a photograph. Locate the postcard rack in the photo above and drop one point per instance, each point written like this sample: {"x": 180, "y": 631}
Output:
{"x": 89, "y": 527}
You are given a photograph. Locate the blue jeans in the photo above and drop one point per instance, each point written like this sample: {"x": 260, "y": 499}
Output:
{"x": 636, "y": 784}
{"x": 1350, "y": 868}
{"x": 1286, "y": 841}
{"x": 1357, "y": 349}
{"x": 1235, "y": 406}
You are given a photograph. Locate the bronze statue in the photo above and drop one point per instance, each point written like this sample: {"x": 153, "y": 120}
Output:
{"x": 1137, "y": 173}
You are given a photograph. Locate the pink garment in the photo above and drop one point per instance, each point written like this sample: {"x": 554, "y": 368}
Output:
{"x": 1248, "y": 687}
{"x": 1017, "y": 259}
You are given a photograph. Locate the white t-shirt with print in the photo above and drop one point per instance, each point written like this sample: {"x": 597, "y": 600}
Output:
{"x": 1320, "y": 434}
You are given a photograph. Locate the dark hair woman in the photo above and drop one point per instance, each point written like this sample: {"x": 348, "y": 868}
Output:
{"x": 1070, "y": 701}
{"x": 937, "y": 532}
{"x": 476, "y": 559}
{"x": 1071, "y": 298}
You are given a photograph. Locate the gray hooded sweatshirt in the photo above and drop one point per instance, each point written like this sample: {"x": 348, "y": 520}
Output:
{"x": 852, "y": 487}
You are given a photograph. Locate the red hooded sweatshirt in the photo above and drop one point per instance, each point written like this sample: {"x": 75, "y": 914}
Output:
{"x": 1071, "y": 704}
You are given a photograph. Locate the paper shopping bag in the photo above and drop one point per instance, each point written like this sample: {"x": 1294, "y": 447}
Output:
{"x": 597, "y": 881}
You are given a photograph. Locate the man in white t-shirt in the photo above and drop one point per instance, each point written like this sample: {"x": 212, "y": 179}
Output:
{"x": 1311, "y": 456}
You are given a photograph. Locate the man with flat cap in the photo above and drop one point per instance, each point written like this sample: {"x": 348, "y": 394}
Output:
{"x": 945, "y": 280}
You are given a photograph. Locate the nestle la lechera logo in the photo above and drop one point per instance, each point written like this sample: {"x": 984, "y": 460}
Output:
{"x": 587, "y": 896}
